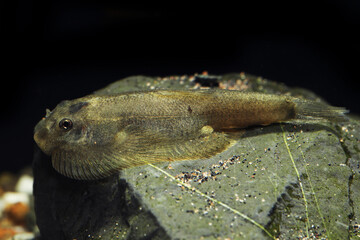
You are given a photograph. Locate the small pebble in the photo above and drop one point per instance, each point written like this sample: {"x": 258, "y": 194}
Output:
{"x": 25, "y": 184}
{"x": 15, "y": 197}
{"x": 24, "y": 236}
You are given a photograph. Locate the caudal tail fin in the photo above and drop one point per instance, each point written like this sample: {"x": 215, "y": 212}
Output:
{"x": 311, "y": 110}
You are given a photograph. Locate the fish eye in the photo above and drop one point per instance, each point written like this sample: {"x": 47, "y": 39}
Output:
{"x": 65, "y": 124}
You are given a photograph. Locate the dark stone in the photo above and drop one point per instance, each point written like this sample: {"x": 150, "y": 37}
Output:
{"x": 207, "y": 81}
{"x": 70, "y": 209}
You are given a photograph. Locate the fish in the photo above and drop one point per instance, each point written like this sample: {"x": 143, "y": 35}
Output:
{"x": 96, "y": 136}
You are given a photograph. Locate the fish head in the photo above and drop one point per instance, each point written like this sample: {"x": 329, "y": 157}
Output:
{"x": 76, "y": 136}
{"x": 66, "y": 127}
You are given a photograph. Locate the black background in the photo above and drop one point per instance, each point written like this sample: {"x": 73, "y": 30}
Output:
{"x": 56, "y": 50}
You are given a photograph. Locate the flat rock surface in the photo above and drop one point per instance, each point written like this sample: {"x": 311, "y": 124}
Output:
{"x": 286, "y": 181}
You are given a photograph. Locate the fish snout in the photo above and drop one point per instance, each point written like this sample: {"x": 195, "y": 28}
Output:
{"x": 41, "y": 137}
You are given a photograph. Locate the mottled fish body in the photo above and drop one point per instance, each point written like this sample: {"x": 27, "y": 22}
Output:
{"x": 95, "y": 136}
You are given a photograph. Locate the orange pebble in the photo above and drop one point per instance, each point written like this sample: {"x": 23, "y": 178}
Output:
{"x": 17, "y": 212}
{"x": 6, "y": 233}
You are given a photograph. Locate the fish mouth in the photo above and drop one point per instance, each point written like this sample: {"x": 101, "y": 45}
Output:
{"x": 41, "y": 134}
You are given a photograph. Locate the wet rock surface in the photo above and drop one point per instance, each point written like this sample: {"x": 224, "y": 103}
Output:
{"x": 293, "y": 180}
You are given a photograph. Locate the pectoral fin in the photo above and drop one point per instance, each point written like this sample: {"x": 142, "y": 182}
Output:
{"x": 154, "y": 148}
{"x": 135, "y": 148}
{"x": 85, "y": 165}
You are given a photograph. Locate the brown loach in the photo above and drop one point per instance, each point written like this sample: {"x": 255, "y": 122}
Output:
{"x": 96, "y": 136}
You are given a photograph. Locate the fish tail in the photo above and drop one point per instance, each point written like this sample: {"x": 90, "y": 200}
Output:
{"x": 311, "y": 110}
